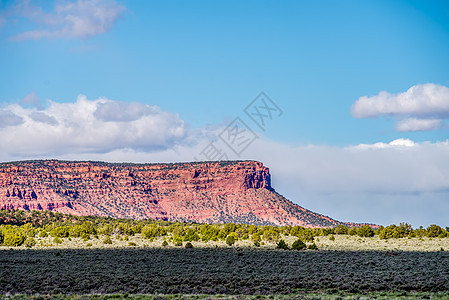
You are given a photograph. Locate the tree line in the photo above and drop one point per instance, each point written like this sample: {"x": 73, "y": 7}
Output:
{"x": 22, "y": 227}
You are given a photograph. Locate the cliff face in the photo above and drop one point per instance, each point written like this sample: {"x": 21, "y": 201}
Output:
{"x": 212, "y": 192}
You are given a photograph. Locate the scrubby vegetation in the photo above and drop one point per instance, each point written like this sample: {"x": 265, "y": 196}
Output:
{"x": 24, "y": 228}
{"x": 79, "y": 255}
{"x": 227, "y": 270}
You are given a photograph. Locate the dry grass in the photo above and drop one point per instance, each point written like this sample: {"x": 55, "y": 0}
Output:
{"x": 341, "y": 243}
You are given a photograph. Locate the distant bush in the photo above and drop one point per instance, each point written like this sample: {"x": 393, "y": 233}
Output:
{"x": 271, "y": 235}
{"x": 61, "y": 231}
{"x": 29, "y": 242}
{"x": 298, "y": 245}
{"x": 57, "y": 240}
{"x": 132, "y": 244}
{"x": 365, "y": 231}
{"x": 188, "y": 245}
{"x": 231, "y": 238}
{"x": 332, "y": 238}
{"x": 209, "y": 232}
{"x": 107, "y": 240}
{"x": 153, "y": 231}
{"x": 312, "y": 247}
{"x": 352, "y": 231}
{"x": 255, "y": 238}
{"x": 327, "y": 231}
{"x": 13, "y": 238}
{"x": 164, "y": 244}
{"x": 191, "y": 235}
{"x": 282, "y": 245}
{"x": 434, "y": 231}
{"x": 340, "y": 229}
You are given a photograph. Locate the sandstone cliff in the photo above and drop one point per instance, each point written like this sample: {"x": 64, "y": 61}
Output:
{"x": 212, "y": 192}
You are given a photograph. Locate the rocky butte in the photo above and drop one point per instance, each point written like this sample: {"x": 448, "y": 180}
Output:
{"x": 210, "y": 192}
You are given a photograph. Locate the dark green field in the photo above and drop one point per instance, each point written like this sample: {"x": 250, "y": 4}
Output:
{"x": 219, "y": 271}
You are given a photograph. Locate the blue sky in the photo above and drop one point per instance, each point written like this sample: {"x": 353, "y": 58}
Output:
{"x": 203, "y": 62}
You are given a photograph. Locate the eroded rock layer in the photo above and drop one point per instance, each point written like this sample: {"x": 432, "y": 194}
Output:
{"x": 212, "y": 192}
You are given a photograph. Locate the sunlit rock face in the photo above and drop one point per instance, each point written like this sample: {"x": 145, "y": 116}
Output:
{"x": 210, "y": 192}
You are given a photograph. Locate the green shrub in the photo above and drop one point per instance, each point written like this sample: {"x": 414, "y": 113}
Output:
{"x": 209, "y": 232}
{"x": 298, "y": 245}
{"x": 365, "y": 231}
{"x": 57, "y": 240}
{"x": 434, "y": 231}
{"x": 191, "y": 235}
{"x": 89, "y": 245}
{"x": 188, "y": 245}
{"x": 271, "y": 235}
{"x": 132, "y": 244}
{"x": 164, "y": 244}
{"x": 61, "y": 231}
{"x": 352, "y": 231}
{"x": 153, "y": 231}
{"x": 340, "y": 229}
{"x": 13, "y": 238}
{"x": 85, "y": 236}
{"x": 107, "y": 240}
{"x": 255, "y": 237}
{"x": 29, "y": 242}
{"x": 231, "y": 238}
{"x": 282, "y": 245}
{"x": 312, "y": 247}
{"x": 327, "y": 231}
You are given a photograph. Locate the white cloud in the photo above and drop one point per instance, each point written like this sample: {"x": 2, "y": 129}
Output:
{"x": 75, "y": 128}
{"x": 419, "y": 100}
{"x": 384, "y": 183}
{"x": 123, "y": 112}
{"x": 79, "y": 19}
{"x": 413, "y": 124}
{"x": 393, "y": 144}
{"x": 8, "y": 118}
{"x": 420, "y": 108}
{"x": 43, "y": 118}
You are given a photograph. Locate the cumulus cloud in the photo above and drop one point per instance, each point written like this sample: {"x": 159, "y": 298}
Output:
{"x": 77, "y": 127}
{"x": 79, "y": 19}
{"x": 8, "y": 118}
{"x": 421, "y": 108}
{"x": 384, "y": 183}
{"x": 43, "y": 118}
{"x": 117, "y": 111}
{"x": 413, "y": 124}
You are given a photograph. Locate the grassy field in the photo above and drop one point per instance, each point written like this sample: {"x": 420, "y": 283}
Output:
{"x": 340, "y": 243}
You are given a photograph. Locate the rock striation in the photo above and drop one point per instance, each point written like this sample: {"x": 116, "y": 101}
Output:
{"x": 210, "y": 192}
